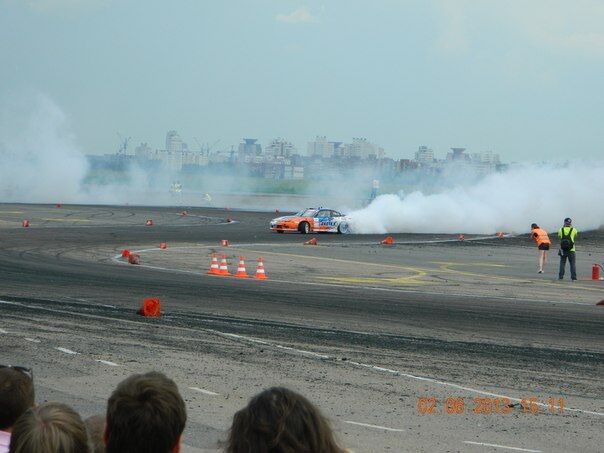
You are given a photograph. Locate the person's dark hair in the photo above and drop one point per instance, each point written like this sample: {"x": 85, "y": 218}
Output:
{"x": 146, "y": 414}
{"x": 51, "y": 427}
{"x": 16, "y": 395}
{"x": 279, "y": 420}
{"x": 95, "y": 426}
{"x": 534, "y": 225}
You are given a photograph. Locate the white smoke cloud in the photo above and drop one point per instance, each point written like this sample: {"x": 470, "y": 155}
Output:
{"x": 509, "y": 201}
{"x": 39, "y": 160}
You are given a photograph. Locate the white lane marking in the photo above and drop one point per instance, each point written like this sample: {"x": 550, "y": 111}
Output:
{"x": 3, "y": 331}
{"x": 33, "y": 340}
{"x": 204, "y": 391}
{"x": 367, "y": 425}
{"x": 482, "y": 444}
{"x": 117, "y": 259}
{"x": 107, "y": 362}
{"x": 253, "y": 340}
{"x": 66, "y": 351}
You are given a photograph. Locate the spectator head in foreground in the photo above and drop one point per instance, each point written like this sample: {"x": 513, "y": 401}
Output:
{"x": 95, "y": 426}
{"x": 279, "y": 420}
{"x": 145, "y": 414}
{"x": 16, "y": 396}
{"x": 51, "y": 427}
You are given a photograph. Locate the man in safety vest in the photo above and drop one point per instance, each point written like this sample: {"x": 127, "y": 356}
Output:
{"x": 542, "y": 239}
{"x": 568, "y": 236}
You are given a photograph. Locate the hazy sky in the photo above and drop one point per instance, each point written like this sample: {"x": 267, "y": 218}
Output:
{"x": 522, "y": 78}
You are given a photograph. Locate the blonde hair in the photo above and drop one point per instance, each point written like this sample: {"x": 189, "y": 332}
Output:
{"x": 49, "y": 428}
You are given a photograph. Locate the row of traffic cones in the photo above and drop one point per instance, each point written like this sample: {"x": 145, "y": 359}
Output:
{"x": 223, "y": 270}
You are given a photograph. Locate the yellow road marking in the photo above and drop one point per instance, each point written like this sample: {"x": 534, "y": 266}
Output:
{"x": 447, "y": 263}
{"x": 11, "y": 212}
{"x": 67, "y": 220}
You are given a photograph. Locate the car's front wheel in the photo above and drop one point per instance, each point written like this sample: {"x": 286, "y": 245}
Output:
{"x": 304, "y": 227}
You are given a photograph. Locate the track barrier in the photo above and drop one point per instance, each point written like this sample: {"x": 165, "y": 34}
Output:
{"x": 223, "y": 269}
{"x": 25, "y": 223}
{"x": 149, "y": 222}
{"x": 214, "y": 268}
{"x": 163, "y": 246}
{"x": 387, "y": 241}
{"x": 260, "y": 274}
{"x": 241, "y": 273}
{"x": 150, "y": 307}
{"x": 134, "y": 258}
{"x": 312, "y": 241}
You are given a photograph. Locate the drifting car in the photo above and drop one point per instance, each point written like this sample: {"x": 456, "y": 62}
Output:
{"x": 312, "y": 220}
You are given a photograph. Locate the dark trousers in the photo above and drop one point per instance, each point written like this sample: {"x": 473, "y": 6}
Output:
{"x": 573, "y": 267}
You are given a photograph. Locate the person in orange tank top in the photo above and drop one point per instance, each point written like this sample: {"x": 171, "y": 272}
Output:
{"x": 543, "y": 242}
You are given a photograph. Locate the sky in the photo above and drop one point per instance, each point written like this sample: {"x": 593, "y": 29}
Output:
{"x": 523, "y": 79}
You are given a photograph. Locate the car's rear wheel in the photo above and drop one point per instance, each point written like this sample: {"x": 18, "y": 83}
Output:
{"x": 343, "y": 228}
{"x": 304, "y": 227}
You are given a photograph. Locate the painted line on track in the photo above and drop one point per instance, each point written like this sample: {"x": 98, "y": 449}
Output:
{"x": 322, "y": 357}
{"x": 3, "y": 331}
{"x": 204, "y": 391}
{"x": 32, "y": 340}
{"x": 367, "y": 425}
{"x": 482, "y": 444}
{"x": 106, "y": 362}
{"x": 67, "y": 351}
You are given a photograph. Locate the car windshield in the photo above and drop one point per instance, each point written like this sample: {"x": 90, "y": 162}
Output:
{"x": 306, "y": 212}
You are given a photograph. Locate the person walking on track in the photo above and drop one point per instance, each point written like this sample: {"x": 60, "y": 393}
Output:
{"x": 568, "y": 238}
{"x": 543, "y": 243}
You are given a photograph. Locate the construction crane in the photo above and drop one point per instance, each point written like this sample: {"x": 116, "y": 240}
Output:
{"x": 205, "y": 150}
{"x": 123, "y": 144}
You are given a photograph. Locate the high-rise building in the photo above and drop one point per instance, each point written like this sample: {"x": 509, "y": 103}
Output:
{"x": 173, "y": 142}
{"x": 321, "y": 147}
{"x": 458, "y": 155}
{"x": 362, "y": 148}
{"x": 424, "y": 155}
{"x": 249, "y": 149}
{"x": 280, "y": 148}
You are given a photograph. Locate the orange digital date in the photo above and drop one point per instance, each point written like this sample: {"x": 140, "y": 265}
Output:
{"x": 487, "y": 406}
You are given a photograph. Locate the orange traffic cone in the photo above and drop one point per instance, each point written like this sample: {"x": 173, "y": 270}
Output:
{"x": 150, "y": 307}
{"x": 241, "y": 273}
{"x": 223, "y": 270}
{"x": 260, "y": 274}
{"x": 214, "y": 269}
{"x": 225, "y": 243}
{"x": 134, "y": 258}
{"x": 312, "y": 241}
{"x": 163, "y": 246}
{"x": 125, "y": 253}
{"x": 25, "y": 223}
{"x": 149, "y": 222}
{"x": 387, "y": 241}
{"x": 461, "y": 237}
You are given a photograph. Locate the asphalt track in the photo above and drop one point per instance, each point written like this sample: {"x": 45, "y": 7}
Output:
{"x": 363, "y": 330}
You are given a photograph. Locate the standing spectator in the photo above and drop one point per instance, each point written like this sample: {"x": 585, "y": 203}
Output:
{"x": 145, "y": 414}
{"x": 279, "y": 420}
{"x": 16, "y": 396}
{"x": 49, "y": 428}
{"x": 542, "y": 239}
{"x": 568, "y": 236}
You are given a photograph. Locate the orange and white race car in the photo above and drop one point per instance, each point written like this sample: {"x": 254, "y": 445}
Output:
{"x": 312, "y": 220}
